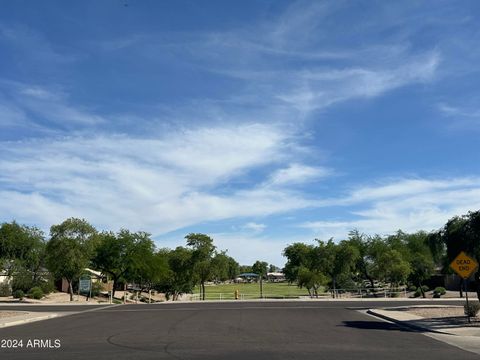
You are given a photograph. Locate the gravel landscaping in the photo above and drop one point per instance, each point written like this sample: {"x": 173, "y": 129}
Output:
{"x": 6, "y": 314}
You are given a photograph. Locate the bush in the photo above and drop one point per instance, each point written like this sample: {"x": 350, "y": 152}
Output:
{"x": 5, "y": 289}
{"x": 412, "y": 288}
{"x": 18, "y": 294}
{"x": 417, "y": 293}
{"x": 472, "y": 308}
{"x": 97, "y": 288}
{"x": 46, "y": 285}
{"x": 35, "y": 293}
{"x": 439, "y": 291}
{"x": 22, "y": 280}
{"x": 425, "y": 288}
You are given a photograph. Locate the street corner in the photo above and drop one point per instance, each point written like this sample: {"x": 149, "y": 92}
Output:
{"x": 13, "y": 318}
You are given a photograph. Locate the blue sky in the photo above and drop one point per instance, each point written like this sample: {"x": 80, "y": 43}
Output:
{"x": 260, "y": 123}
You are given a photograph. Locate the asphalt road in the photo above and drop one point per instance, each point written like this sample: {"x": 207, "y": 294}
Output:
{"x": 248, "y": 330}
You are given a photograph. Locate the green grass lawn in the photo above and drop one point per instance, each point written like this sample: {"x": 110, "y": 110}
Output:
{"x": 251, "y": 291}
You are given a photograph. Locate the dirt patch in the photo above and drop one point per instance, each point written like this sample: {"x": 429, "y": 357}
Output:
{"x": 6, "y": 314}
{"x": 436, "y": 312}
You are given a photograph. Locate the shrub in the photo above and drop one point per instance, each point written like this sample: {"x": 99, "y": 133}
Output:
{"x": 412, "y": 288}
{"x": 425, "y": 288}
{"x": 18, "y": 294}
{"x": 97, "y": 288}
{"x": 36, "y": 293}
{"x": 22, "y": 280}
{"x": 46, "y": 285}
{"x": 5, "y": 289}
{"x": 417, "y": 293}
{"x": 439, "y": 291}
{"x": 472, "y": 308}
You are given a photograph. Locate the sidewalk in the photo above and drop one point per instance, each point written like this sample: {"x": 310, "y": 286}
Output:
{"x": 452, "y": 330}
{"x": 23, "y": 317}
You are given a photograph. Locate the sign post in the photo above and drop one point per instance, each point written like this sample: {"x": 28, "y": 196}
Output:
{"x": 464, "y": 266}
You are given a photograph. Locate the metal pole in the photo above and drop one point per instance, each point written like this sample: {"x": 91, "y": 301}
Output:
{"x": 466, "y": 296}
{"x": 90, "y": 288}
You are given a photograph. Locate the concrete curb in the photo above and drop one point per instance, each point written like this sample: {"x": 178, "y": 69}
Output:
{"x": 26, "y": 320}
{"x": 405, "y": 324}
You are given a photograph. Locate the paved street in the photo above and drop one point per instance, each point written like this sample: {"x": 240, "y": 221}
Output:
{"x": 248, "y": 330}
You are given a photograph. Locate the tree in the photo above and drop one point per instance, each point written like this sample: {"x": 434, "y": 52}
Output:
{"x": 311, "y": 280}
{"x": 179, "y": 278}
{"x": 233, "y": 268}
{"x": 21, "y": 247}
{"x": 125, "y": 256}
{"x": 462, "y": 233}
{"x": 69, "y": 249}
{"x": 306, "y": 266}
{"x": 224, "y": 267}
{"x": 154, "y": 268}
{"x": 420, "y": 258}
{"x": 244, "y": 269}
{"x": 260, "y": 268}
{"x": 298, "y": 255}
{"x": 368, "y": 250}
{"x": 393, "y": 268}
{"x": 203, "y": 251}
{"x": 335, "y": 259}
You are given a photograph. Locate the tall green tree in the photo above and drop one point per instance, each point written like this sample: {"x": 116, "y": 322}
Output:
{"x": 260, "y": 268}
{"x": 420, "y": 258}
{"x": 368, "y": 252}
{"x": 202, "y": 256}
{"x": 393, "y": 268}
{"x": 335, "y": 259}
{"x": 22, "y": 255}
{"x": 224, "y": 267}
{"x": 298, "y": 255}
{"x": 462, "y": 233}
{"x": 124, "y": 256}
{"x": 69, "y": 249}
{"x": 179, "y": 278}
{"x": 22, "y": 244}
{"x": 306, "y": 266}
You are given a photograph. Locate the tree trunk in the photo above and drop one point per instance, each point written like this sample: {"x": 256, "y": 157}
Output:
{"x": 372, "y": 284}
{"x": 114, "y": 286}
{"x": 203, "y": 290}
{"x": 70, "y": 288}
{"x": 334, "y": 287}
{"x": 421, "y": 290}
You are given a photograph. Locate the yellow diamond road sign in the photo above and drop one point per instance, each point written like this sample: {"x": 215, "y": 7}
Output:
{"x": 464, "y": 265}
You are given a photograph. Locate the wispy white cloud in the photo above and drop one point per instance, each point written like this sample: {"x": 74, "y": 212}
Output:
{"x": 298, "y": 174}
{"x": 157, "y": 184}
{"x": 318, "y": 89}
{"x": 409, "y": 204}
{"x": 42, "y": 108}
{"x": 255, "y": 227}
{"x": 461, "y": 117}
{"x": 290, "y": 59}
{"x": 34, "y": 46}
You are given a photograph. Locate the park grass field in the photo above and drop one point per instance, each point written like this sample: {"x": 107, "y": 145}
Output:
{"x": 251, "y": 291}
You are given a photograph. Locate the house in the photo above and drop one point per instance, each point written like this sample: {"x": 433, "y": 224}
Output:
{"x": 96, "y": 277}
